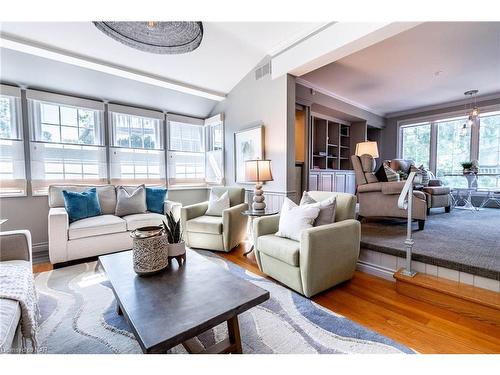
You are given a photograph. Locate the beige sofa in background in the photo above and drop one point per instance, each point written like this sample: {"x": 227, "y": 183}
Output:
{"x": 15, "y": 248}
{"x": 380, "y": 199}
{"x": 221, "y": 233}
{"x": 325, "y": 256}
{"x": 96, "y": 235}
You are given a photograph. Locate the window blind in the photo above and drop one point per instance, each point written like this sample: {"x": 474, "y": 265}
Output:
{"x": 137, "y": 154}
{"x": 12, "y": 166}
{"x": 67, "y": 141}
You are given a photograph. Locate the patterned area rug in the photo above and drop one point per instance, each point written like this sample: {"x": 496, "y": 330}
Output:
{"x": 79, "y": 316}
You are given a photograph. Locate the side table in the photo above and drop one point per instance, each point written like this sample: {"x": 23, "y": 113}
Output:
{"x": 251, "y": 215}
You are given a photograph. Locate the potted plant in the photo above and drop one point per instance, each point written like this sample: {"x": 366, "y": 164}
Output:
{"x": 466, "y": 165}
{"x": 176, "y": 246}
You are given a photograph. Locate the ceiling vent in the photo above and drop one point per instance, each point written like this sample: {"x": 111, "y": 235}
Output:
{"x": 263, "y": 71}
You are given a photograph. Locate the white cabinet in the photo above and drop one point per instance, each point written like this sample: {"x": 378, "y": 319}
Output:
{"x": 342, "y": 181}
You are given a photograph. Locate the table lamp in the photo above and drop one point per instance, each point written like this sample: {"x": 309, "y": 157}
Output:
{"x": 258, "y": 171}
{"x": 368, "y": 147}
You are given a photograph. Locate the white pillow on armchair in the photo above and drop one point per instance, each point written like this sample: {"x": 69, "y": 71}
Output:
{"x": 216, "y": 205}
{"x": 294, "y": 219}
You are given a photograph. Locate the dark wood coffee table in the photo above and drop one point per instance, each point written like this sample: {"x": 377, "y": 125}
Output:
{"x": 176, "y": 305}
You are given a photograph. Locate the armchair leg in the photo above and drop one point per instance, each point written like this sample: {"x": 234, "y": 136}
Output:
{"x": 421, "y": 224}
{"x": 447, "y": 209}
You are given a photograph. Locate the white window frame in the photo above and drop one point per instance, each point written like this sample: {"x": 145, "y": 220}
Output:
{"x": 39, "y": 186}
{"x": 208, "y": 155}
{"x": 141, "y": 159}
{"x": 14, "y": 145}
{"x": 433, "y": 120}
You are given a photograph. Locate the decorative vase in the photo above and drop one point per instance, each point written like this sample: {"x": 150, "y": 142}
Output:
{"x": 177, "y": 251}
{"x": 150, "y": 250}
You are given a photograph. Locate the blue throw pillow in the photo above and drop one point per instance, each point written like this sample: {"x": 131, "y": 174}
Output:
{"x": 155, "y": 197}
{"x": 81, "y": 205}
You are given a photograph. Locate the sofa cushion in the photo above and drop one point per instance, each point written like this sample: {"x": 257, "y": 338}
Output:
{"x": 130, "y": 201}
{"x": 96, "y": 226}
{"x": 155, "y": 199}
{"x": 280, "y": 248}
{"x": 437, "y": 190}
{"x": 216, "y": 204}
{"x": 81, "y": 205}
{"x": 105, "y": 193}
{"x": 10, "y": 314}
{"x": 143, "y": 220}
{"x": 205, "y": 224}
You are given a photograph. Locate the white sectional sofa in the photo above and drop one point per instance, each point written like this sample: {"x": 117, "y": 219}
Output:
{"x": 96, "y": 235}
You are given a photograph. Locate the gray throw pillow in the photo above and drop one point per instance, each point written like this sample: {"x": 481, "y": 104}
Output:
{"x": 326, "y": 209}
{"x": 130, "y": 200}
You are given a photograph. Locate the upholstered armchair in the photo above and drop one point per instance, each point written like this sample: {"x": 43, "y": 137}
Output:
{"x": 15, "y": 249}
{"x": 221, "y": 233}
{"x": 380, "y": 199}
{"x": 436, "y": 195}
{"x": 325, "y": 255}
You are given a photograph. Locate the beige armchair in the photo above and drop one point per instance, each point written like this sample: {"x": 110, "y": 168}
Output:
{"x": 221, "y": 233}
{"x": 325, "y": 255}
{"x": 380, "y": 199}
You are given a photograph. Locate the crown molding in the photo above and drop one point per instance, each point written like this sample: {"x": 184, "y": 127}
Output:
{"x": 445, "y": 105}
{"x": 326, "y": 92}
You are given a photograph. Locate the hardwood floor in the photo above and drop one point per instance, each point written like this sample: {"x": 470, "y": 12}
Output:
{"x": 374, "y": 303}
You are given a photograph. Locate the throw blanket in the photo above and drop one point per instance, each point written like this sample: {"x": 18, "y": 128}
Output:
{"x": 17, "y": 283}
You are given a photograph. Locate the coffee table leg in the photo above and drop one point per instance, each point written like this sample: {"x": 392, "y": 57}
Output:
{"x": 118, "y": 309}
{"x": 234, "y": 334}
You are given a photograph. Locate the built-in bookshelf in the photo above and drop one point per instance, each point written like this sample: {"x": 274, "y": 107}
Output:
{"x": 331, "y": 144}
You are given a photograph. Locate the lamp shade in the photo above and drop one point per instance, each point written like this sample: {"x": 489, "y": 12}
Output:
{"x": 369, "y": 148}
{"x": 258, "y": 170}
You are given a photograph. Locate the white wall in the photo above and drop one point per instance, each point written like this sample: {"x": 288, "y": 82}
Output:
{"x": 259, "y": 101}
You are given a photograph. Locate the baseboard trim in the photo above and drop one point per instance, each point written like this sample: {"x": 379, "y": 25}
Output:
{"x": 40, "y": 247}
{"x": 376, "y": 270}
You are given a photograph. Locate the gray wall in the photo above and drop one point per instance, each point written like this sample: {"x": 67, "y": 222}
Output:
{"x": 259, "y": 101}
{"x": 389, "y": 137}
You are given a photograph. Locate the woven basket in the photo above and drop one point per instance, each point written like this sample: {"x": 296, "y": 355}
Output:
{"x": 150, "y": 250}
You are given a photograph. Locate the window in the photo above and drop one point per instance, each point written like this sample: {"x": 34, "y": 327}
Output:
{"x": 489, "y": 149}
{"x": 195, "y": 150}
{"x": 186, "y": 151}
{"x": 137, "y": 153}
{"x": 67, "y": 141}
{"x": 448, "y": 143}
{"x": 416, "y": 143}
{"x": 12, "y": 169}
{"x": 214, "y": 158}
{"x": 453, "y": 148}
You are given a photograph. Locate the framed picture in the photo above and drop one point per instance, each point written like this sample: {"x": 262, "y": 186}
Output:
{"x": 248, "y": 144}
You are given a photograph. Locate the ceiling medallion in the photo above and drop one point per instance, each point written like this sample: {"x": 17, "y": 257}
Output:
{"x": 155, "y": 37}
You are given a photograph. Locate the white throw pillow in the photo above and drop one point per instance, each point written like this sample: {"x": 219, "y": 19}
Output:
{"x": 294, "y": 219}
{"x": 216, "y": 205}
{"x": 326, "y": 209}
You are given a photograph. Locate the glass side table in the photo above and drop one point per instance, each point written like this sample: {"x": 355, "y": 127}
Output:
{"x": 251, "y": 214}
{"x": 464, "y": 196}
